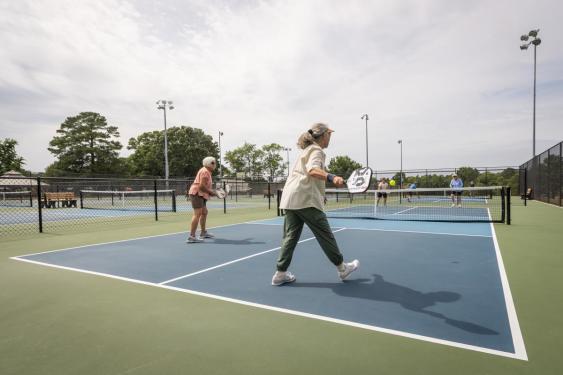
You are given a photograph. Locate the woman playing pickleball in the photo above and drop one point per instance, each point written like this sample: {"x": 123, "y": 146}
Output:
{"x": 303, "y": 202}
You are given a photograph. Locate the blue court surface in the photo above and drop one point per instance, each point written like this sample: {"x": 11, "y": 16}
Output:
{"x": 440, "y": 282}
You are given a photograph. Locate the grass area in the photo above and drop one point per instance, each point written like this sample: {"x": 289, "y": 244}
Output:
{"x": 60, "y": 322}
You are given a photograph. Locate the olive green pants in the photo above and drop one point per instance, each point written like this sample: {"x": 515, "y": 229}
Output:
{"x": 292, "y": 228}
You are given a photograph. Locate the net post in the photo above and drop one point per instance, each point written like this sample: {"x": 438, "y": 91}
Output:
{"x": 155, "y": 202}
{"x": 174, "y": 200}
{"x": 508, "y": 193}
{"x": 224, "y": 199}
{"x": 81, "y": 200}
{"x": 502, "y": 205}
{"x": 39, "y": 208}
{"x": 278, "y": 199}
{"x": 269, "y": 195}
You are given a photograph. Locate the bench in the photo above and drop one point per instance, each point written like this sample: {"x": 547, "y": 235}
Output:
{"x": 528, "y": 194}
{"x": 50, "y": 200}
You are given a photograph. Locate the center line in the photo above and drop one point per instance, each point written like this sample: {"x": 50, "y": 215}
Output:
{"x": 235, "y": 261}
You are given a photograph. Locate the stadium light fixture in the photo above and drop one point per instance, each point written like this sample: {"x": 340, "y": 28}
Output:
{"x": 535, "y": 42}
{"x": 220, "y": 159}
{"x": 165, "y": 104}
{"x": 365, "y": 116}
{"x": 287, "y": 149}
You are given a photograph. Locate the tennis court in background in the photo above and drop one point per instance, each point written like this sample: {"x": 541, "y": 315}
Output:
{"x": 434, "y": 281}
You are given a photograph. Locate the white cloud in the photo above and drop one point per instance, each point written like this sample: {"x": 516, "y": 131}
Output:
{"x": 446, "y": 77}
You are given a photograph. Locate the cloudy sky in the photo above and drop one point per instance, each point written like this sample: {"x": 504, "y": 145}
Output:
{"x": 446, "y": 77}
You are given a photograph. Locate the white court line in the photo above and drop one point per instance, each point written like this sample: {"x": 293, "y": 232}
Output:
{"x": 408, "y": 209}
{"x": 520, "y": 352}
{"x": 291, "y": 312}
{"x": 234, "y": 261}
{"x": 517, "y": 338}
{"x": 399, "y": 230}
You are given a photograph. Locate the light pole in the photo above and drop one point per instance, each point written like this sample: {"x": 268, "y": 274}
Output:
{"x": 365, "y": 116}
{"x": 287, "y": 149}
{"x": 220, "y": 160}
{"x": 163, "y": 104}
{"x": 400, "y": 141}
{"x": 536, "y": 42}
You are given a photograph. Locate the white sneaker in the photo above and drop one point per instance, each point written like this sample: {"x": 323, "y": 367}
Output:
{"x": 453, "y": 204}
{"x": 193, "y": 239}
{"x": 206, "y": 235}
{"x": 459, "y": 205}
{"x": 281, "y": 278}
{"x": 348, "y": 269}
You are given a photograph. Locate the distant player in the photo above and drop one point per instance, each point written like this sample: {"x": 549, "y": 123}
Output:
{"x": 456, "y": 185}
{"x": 383, "y": 185}
{"x": 199, "y": 193}
{"x": 410, "y": 193}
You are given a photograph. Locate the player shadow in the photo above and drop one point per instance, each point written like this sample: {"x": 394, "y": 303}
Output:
{"x": 377, "y": 289}
{"x": 244, "y": 241}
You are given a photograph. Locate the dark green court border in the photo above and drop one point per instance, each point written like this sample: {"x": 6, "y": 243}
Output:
{"x": 59, "y": 322}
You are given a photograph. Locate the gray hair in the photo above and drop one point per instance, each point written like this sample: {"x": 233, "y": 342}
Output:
{"x": 208, "y": 161}
{"x": 312, "y": 135}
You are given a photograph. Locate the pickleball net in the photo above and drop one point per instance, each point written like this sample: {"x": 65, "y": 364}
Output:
{"x": 477, "y": 204}
{"x": 140, "y": 200}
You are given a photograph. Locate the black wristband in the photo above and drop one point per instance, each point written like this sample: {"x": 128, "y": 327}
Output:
{"x": 330, "y": 177}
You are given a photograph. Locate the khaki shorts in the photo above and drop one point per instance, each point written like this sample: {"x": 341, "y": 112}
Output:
{"x": 198, "y": 201}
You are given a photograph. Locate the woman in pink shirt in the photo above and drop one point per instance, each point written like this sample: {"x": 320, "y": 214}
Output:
{"x": 199, "y": 193}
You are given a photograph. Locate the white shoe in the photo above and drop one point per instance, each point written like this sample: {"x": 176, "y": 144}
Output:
{"x": 453, "y": 204}
{"x": 348, "y": 269}
{"x": 206, "y": 235}
{"x": 193, "y": 239}
{"x": 281, "y": 278}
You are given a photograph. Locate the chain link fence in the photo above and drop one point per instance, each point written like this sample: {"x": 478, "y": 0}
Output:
{"x": 70, "y": 204}
{"x": 541, "y": 177}
{"x": 63, "y": 205}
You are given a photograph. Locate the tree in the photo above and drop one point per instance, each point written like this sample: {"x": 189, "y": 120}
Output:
{"x": 9, "y": 158}
{"x": 247, "y": 158}
{"x": 468, "y": 174}
{"x": 343, "y": 166}
{"x": 187, "y": 147}
{"x": 86, "y": 144}
{"x": 272, "y": 160}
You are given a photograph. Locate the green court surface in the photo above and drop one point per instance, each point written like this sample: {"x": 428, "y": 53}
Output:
{"x": 55, "y": 321}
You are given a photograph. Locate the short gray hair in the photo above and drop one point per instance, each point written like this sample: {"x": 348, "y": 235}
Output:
{"x": 208, "y": 161}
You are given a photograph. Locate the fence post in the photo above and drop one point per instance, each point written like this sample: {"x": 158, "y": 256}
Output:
{"x": 39, "y": 208}
{"x": 526, "y": 186}
{"x": 508, "y": 193}
{"x": 236, "y": 188}
{"x": 503, "y": 204}
{"x": 155, "y": 203}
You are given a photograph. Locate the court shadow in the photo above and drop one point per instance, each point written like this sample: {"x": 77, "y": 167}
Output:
{"x": 244, "y": 241}
{"x": 377, "y": 289}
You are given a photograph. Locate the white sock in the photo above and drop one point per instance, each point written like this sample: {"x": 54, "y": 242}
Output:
{"x": 341, "y": 267}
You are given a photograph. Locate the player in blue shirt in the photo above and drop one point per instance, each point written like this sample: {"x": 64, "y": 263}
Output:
{"x": 409, "y": 194}
{"x": 456, "y": 185}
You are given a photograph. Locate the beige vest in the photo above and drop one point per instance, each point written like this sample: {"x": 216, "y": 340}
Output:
{"x": 302, "y": 190}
